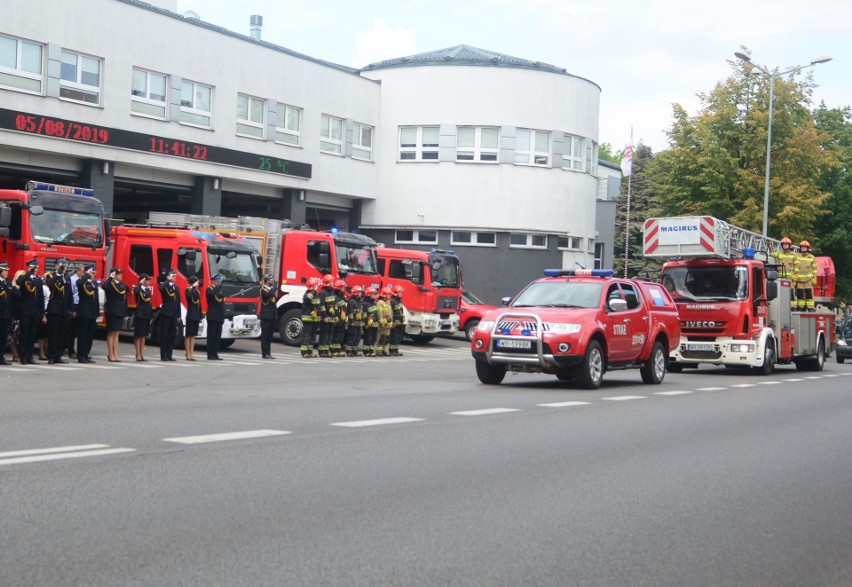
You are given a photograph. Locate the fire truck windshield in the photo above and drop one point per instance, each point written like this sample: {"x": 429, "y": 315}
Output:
{"x": 445, "y": 271}
{"x": 63, "y": 227}
{"x": 234, "y": 267}
{"x": 706, "y": 284}
{"x": 355, "y": 258}
{"x": 560, "y": 294}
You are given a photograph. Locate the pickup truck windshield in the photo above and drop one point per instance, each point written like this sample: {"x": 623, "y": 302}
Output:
{"x": 560, "y": 294}
{"x": 706, "y": 284}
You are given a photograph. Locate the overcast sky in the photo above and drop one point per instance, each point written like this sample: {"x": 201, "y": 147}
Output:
{"x": 644, "y": 54}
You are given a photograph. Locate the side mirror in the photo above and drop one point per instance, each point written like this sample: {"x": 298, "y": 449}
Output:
{"x": 617, "y": 305}
{"x": 771, "y": 290}
{"x": 505, "y": 301}
{"x": 36, "y": 210}
{"x": 771, "y": 275}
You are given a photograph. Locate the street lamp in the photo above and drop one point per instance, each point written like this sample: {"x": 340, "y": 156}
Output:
{"x": 772, "y": 76}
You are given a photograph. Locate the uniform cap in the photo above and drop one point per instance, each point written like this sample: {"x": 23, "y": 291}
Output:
{"x": 143, "y": 276}
{"x": 90, "y": 267}
{"x": 60, "y": 262}
{"x": 4, "y": 266}
{"x": 193, "y": 280}
{"x": 268, "y": 277}
{"x": 32, "y": 263}
{"x": 115, "y": 270}
{"x": 171, "y": 272}
{"x": 217, "y": 277}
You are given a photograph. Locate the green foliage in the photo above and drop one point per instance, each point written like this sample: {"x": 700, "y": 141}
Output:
{"x": 643, "y": 205}
{"x": 716, "y": 162}
{"x": 606, "y": 153}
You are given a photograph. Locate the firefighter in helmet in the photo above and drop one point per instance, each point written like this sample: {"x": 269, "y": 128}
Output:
{"x": 328, "y": 315}
{"x": 385, "y": 321}
{"x": 398, "y": 331}
{"x": 311, "y": 310}
{"x": 354, "y": 320}
{"x": 371, "y": 322}
{"x": 805, "y": 277}
{"x": 338, "y": 335}
{"x": 787, "y": 257}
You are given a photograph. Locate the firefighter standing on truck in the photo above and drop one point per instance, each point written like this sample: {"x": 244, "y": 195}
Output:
{"x": 787, "y": 257}
{"x": 310, "y": 317}
{"x": 805, "y": 277}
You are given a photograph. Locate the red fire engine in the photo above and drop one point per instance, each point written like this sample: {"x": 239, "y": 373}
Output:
{"x": 155, "y": 250}
{"x": 49, "y": 222}
{"x": 735, "y": 309}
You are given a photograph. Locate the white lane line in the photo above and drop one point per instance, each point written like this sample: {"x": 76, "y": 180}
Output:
{"x": 832, "y": 375}
{"x": 381, "y": 422}
{"x": 226, "y": 436}
{"x": 624, "y": 398}
{"x": 792, "y": 380}
{"x": 67, "y": 455}
{"x": 672, "y": 392}
{"x": 711, "y": 388}
{"x": 41, "y": 451}
{"x": 744, "y": 385}
{"x": 565, "y": 404}
{"x": 485, "y": 412}
{"x": 814, "y": 377}
{"x": 243, "y": 363}
{"x": 770, "y": 382}
{"x": 61, "y": 368}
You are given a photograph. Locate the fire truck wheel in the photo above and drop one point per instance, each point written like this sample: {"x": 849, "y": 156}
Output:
{"x": 654, "y": 371}
{"x": 470, "y": 328}
{"x": 490, "y": 374}
{"x": 422, "y": 338}
{"x": 768, "y": 359}
{"x": 290, "y": 327}
{"x": 589, "y": 373}
{"x": 226, "y": 343}
{"x": 815, "y": 364}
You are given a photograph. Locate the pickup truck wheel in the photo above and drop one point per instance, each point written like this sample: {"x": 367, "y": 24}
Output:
{"x": 290, "y": 327}
{"x": 768, "y": 359}
{"x": 589, "y": 373}
{"x": 654, "y": 371}
{"x": 490, "y": 374}
{"x": 470, "y": 328}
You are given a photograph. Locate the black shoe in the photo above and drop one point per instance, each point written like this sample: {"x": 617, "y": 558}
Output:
{"x": 4, "y": 362}
{"x": 60, "y": 361}
{"x": 171, "y": 359}
{"x": 88, "y": 360}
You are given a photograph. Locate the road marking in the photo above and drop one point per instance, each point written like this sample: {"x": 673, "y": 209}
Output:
{"x": 61, "y": 368}
{"x": 226, "y": 436}
{"x": 814, "y": 377}
{"x": 41, "y": 451}
{"x": 792, "y": 380}
{"x": 711, "y": 388}
{"x": 564, "y": 404}
{"x": 832, "y": 375}
{"x": 229, "y": 362}
{"x": 624, "y": 398}
{"x": 672, "y": 392}
{"x": 65, "y": 455}
{"x": 381, "y": 422}
{"x": 744, "y": 385}
{"x": 770, "y": 382}
{"x": 485, "y": 412}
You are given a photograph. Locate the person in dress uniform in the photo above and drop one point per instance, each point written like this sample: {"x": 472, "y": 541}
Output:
{"x": 32, "y": 310}
{"x": 58, "y": 311}
{"x": 87, "y": 309}
{"x": 267, "y": 313}
{"x": 115, "y": 310}
{"x": 142, "y": 316}
{"x": 169, "y": 315}
{"x": 5, "y": 311}
{"x": 194, "y": 316}
{"x": 215, "y": 317}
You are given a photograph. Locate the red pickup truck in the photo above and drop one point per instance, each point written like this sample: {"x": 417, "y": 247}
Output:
{"x": 578, "y": 325}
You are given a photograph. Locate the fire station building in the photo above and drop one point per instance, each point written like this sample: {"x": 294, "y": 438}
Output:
{"x": 490, "y": 155}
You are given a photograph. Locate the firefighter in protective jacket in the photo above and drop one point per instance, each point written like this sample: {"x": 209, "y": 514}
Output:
{"x": 805, "y": 277}
{"x": 311, "y": 310}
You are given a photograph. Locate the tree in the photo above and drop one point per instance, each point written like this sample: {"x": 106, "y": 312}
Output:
{"x": 643, "y": 205}
{"x": 606, "y": 153}
{"x": 834, "y": 230}
{"x": 716, "y": 162}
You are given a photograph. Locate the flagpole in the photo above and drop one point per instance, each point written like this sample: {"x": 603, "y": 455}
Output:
{"x": 629, "y": 156}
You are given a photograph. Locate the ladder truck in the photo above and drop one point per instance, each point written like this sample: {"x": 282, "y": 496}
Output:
{"x": 734, "y": 300}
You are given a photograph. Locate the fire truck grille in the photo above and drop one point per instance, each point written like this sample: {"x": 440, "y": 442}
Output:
{"x": 448, "y": 302}
{"x": 700, "y": 355}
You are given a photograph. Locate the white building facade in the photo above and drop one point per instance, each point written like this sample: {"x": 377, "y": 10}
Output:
{"x": 492, "y": 156}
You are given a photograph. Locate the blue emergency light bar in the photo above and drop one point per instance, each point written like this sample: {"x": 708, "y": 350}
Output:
{"x": 60, "y": 189}
{"x": 578, "y": 272}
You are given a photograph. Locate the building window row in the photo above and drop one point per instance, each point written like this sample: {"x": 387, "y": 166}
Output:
{"x": 569, "y": 243}
{"x": 422, "y": 237}
{"x": 527, "y": 241}
{"x": 517, "y": 240}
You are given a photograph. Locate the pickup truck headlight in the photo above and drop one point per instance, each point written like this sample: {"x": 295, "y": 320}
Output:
{"x": 485, "y": 326}
{"x": 564, "y": 328}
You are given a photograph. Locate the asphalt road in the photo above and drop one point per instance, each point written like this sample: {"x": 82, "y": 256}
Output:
{"x": 408, "y": 471}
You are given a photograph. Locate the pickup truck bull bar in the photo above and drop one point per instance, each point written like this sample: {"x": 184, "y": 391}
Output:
{"x": 539, "y": 358}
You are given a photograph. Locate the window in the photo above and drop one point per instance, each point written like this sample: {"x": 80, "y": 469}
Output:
{"x": 319, "y": 255}
{"x": 164, "y": 261}
{"x": 288, "y": 125}
{"x": 418, "y": 143}
{"x": 331, "y": 135}
{"x": 571, "y": 243}
{"x": 482, "y": 239}
{"x": 21, "y": 64}
{"x": 196, "y": 104}
{"x": 148, "y": 93}
{"x": 410, "y": 270}
{"x": 416, "y": 236}
{"x": 528, "y": 241}
{"x": 591, "y": 156}
{"x": 142, "y": 260}
{"x": 80, "y": 78}
{"x": 362, "y": 142}
{"x": 251, "y": 112}
{"x": 189, "y": 265}
{"x": 630, "y": 295}
{"x": 474, "y": 143}
{"x": 599, "y": 255}
{"x": 572, "y": 154}
{"x": 532, "y": 147}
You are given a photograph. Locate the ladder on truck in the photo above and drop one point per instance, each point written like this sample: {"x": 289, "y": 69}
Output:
{"x": 245, "y": 225}
{"x": 702, "y": 236}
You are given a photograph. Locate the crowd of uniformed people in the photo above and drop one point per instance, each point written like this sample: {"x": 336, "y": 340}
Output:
{"x": 343, "y": 321}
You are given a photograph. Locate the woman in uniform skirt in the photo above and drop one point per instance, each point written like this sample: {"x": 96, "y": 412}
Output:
{"x": 143, "y": 315}
{"x": 193, "y": 317}
{"x": 115, "y": 309}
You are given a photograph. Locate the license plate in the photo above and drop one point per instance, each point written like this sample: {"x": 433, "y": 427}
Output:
{"x": 700, "y": 346}
{"x": 514, "y": 344}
